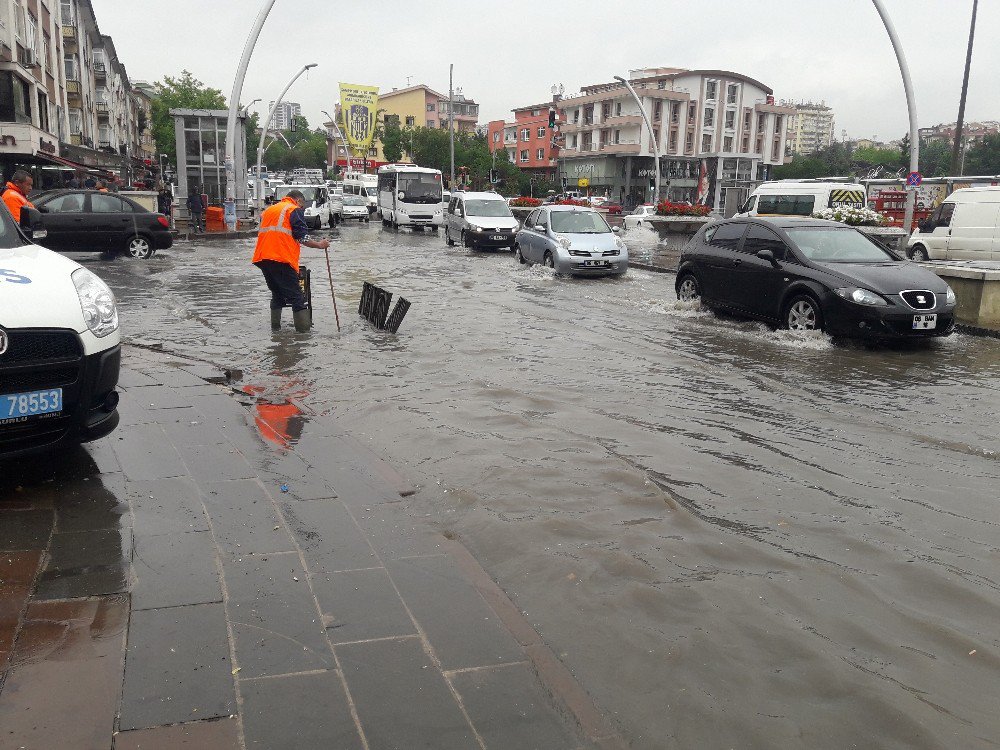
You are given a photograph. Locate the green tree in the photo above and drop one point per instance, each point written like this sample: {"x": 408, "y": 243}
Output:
{"x": 935, "y": 159}
{"x": 392, "y": 140}
{"x": 184, "y": 92}
{"x": 984, "y": 156}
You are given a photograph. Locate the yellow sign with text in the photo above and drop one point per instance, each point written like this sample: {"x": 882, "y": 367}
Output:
{"x": 358, "y": 112}
{"x": 583, "y": 182}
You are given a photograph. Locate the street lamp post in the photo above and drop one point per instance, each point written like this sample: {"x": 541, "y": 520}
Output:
{"x": 267, "y": 124}
{"x": 234, "y": 103}
{"x": 337, "y": 131}
{"x": 652, "y": 137}
{"x": 911, "y": 106}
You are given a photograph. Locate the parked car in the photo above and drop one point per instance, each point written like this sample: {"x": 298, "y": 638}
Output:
{"x": 59, "y": 345}
{"x": 91, "y": 221}
{"x": 966, "y": 226}
{"x": 641, "y": 214}
{"x": 317, "y": 210}
{"x": 571, "y": 239}
{"x": 479, "y": 220}
{"x": 614, "y": 208}
{"x": 808, "y": 274}
{"x": 355, "y": 207}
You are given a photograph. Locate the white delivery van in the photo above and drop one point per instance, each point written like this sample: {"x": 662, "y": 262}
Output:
{"x": 963, "y": 227}
{"x": 365, "y": 185}
{"x": 801, "y": 198}
{"x": 60, "y": 345}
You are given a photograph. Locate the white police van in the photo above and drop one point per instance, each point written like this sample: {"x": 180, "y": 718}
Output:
{"x": 60, "y": 345}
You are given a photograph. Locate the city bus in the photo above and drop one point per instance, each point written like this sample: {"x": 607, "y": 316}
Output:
{"x": 411, "y": 196}
{"x": 365, "y": 185}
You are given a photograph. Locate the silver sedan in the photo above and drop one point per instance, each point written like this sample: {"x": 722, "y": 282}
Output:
{"x": 571, "y": 239}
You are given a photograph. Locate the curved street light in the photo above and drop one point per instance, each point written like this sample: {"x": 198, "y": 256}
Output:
{"x": 654, "y": 144}
{"x": 267, "y": 124}
{"x": 337, "y": 130}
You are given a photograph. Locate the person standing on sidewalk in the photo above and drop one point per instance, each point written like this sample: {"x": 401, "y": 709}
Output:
{"x": 282, "y": 229}
{"x": 195, "y": 209}
{"x": 15, "y": 196}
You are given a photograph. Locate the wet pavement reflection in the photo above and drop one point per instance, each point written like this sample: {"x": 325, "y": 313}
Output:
{"x": 733, "y": 536}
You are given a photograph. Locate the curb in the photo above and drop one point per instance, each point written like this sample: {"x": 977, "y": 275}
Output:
{"x": 651, "y": 267}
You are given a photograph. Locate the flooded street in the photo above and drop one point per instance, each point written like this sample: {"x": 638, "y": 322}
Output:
{"x": 734, "y": 537}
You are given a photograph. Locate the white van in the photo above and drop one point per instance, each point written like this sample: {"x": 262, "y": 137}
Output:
{"x": 795, "y": 198}
{"x": 963, "y": 227}
{"x": 365, "y": 185}
{"x": 479, "y": 220}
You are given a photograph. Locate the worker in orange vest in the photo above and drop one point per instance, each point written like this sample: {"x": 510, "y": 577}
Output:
{"x": 15, "y": 196}
{"x": 282, "y": 229}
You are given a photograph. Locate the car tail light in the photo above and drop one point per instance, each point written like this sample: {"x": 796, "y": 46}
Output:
{"x": 164, "y": 221}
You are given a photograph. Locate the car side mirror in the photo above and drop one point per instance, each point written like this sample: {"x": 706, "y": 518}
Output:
{"x": 32, "y": 224}
{"x": 616, "y": 230}
{"x": 767, "y": 255}
{"x": 43, "y": 209}
{"x": 539, "y": 227}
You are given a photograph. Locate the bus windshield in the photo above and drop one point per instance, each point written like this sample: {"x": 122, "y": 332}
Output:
{"x": 420, "y": 188}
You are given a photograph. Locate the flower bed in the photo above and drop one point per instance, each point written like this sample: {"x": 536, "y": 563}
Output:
{"x": 570, "y": 202}
{"x": 856, "y": 217}
{"x": 525, "y": 202}
{"x": 666, "y": 208}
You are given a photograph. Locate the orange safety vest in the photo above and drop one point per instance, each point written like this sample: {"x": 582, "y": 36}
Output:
{"x": 14, "y": 200}
{"x": 274, "y": 238}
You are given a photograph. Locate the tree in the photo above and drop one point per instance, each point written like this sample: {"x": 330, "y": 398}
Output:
{"x": 185, "y": 92}
{"x": 935, "y": 159}
{"x": 392, "y": 140}
{"x": 984, "y": 157}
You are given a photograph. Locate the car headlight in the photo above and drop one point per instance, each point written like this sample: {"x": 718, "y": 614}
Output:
{"x": 949, "y": 297}
{"x": 97, "y": 302}
{"x": 619, "y": 244}
{"x": 860, "y": 296}
{"x": 475, "y": 228}
{"x": 564, "y": 241}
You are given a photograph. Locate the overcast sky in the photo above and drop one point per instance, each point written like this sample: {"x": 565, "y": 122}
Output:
{"x": 509, "y": 54}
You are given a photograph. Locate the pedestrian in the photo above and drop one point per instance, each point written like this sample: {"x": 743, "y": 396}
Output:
{"x": 165, "y": 202}
{"x": 282, "y": 229}
{"x": 90, "y": 183}
{"x": 100, "y": 186}
{"x": 74, "y": 182}
{"x": 195, "y": 209}
{"x": 15, "y": 195}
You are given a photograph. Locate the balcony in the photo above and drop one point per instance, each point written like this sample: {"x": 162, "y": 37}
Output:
{"x": 617, "y": 121}
{"x": 76, "y": 139}
{"x": 100, "y": 70}
{"x": 102, "y": 108}
{"x": 69, "y": 37}
{"x": 622, "y": 147}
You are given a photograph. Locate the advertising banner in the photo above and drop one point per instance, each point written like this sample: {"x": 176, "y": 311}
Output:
{"x": 358, "y": 110}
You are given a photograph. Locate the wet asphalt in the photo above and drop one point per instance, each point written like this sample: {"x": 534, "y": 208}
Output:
{"x": 732, "y": 536}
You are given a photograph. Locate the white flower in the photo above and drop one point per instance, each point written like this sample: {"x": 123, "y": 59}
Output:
{"x": 852, "y": 216}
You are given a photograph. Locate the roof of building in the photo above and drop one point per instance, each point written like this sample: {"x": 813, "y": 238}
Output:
{"x": 660, "y": 73}
{"x": 409, "y": 89}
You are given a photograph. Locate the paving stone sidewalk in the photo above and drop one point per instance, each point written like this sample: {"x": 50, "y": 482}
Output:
{"x": 224, "y": 573}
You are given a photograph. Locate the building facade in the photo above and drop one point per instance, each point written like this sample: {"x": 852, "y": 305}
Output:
{"x": 810, "y": 129}
{"x": 719, "y": 134}
{"x": 527, "y": 141}
{"x": 284, "y": 114}
{"x": 972, "y": 132}
{"x": 201, "y": 155}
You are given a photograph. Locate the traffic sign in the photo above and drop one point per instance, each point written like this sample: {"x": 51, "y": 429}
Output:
{"x": 913, "y": 179}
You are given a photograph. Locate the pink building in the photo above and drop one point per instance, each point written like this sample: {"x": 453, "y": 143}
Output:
{"x": 528, "y": 140}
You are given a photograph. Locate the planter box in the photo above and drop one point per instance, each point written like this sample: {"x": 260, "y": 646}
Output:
{"x": 977, "y": 287}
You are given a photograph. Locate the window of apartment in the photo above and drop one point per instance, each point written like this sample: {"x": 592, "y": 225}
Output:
{"x": 104, "y": 135}
{"x": 746, "y": 120}
{"x": 675, "y": 111}
{"x": 67, "y": 12}
{"x": 430, "y": 106}
{"x": 672, "y": 143}
{"x": 69, "y": 62}
{"x": 776, "y": 150}
{"x": 761, "y": 122}
{"x": 689, "y": 142}
{"x": 524, "y": 155}
{"x": 732, "y": 91}
{"x": 572, "y": 141}
{"x": 540, "y": 154}
{"x": 496, "y": 137}
{"x": 618, "y": 136}
{"x": 692, "y": 111}
{"x": 745, "y": 144}
{"x": 661, "y": 84}
{"x": 727, "y": 144}
{"x": 536, "y": 112}
{"x": 709, "y": 117}
{"x": 730, "y": 119}
{"x": 576, "y": 116}
{"x": 18, "y": 21}
{"x": 777, "y": 124}
{"x": 618, "y": 109}
{"x": 587, "y": 142}
{"x": 657, "y": 109}
{"x": 43, "y": 111}
{"x": 32, "y": 32}
{"x": 75, "y": 121}
{"x": 411, "y": 120}
{"x": 706, "y": 143}
{"x": 711, "y": 90}
{"x": 605, "y": 110}
{"x": 541, "y": 132}
{"x": 525, "y": 134}
{"x": 588, "y": 115}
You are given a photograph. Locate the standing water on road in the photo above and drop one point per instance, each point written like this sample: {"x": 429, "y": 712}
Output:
{"x": 733, "y": 536}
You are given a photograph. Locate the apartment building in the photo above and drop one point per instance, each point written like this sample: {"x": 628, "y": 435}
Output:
{"x": 972, "y": 132}
{"x": 810, "y": 129}
{"x": 716, "y": 129}
{"x": 285, "y": 114}
{"x": 528, "y": 141}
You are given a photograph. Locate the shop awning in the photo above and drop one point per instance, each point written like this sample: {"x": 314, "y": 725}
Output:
{"x": 71, "y": 164}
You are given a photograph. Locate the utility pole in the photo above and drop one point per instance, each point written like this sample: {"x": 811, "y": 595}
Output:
{"x": 234, "y": 105}
{"x": 956, "y": 152}
{"x": 654, "y": 146}
{"x": 451, "y": 122}
{"x": 337, "y": 133}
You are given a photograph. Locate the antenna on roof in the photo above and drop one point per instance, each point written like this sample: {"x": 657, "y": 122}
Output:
{"x": 408, "y": 80}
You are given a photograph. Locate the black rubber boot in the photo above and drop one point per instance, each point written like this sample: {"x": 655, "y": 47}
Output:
{"x": 303, "y": 320}
{"x": 275, "y": 319}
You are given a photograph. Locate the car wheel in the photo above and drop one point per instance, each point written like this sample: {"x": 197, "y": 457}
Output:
{"x": 549, "y": 260}
{"x": 688, "y": 289}
{"x": 919, "y": 252}
{"x": 803, "y": 314}
{"x": 140, "y": 247}
{"x": 464, "y": 240}
{"x": 517, "y": 254}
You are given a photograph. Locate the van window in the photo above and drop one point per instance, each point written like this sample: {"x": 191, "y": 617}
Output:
{"x": 942, "y": 215}
{"x": 727, "y": 235}
{"x": 786, "y": 205}
{"x": 748, "y": 206}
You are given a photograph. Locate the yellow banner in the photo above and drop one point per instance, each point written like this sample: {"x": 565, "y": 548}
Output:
{"x": 358, "y": 111}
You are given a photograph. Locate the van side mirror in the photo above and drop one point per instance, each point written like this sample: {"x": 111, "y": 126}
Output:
{"x": 32, "y": 224}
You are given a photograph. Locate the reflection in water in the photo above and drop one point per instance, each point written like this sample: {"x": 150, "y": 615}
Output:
{"x": 734, "y": 536}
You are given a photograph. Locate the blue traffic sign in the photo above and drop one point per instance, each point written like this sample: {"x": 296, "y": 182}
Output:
{"x": 913, "y": 179}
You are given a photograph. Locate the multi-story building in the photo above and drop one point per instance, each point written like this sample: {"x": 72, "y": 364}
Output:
{"x": 810, "y": 129}
{"x": 719, "y": 133}
{"x": 528, "y": 141}
{"x": 284, "y": 114}
{"x": 972, "y": 132}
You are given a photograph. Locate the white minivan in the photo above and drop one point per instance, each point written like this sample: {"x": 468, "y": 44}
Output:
{"x": 480, "y": 220}
{"x": 60, "y": 345}
{"x": 801, "y": 198}
{"x": 963, "y": 227}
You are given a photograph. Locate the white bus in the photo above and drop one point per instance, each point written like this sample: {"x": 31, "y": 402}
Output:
{"x": 409, "y": 195}
{"x": 365, "y": 185}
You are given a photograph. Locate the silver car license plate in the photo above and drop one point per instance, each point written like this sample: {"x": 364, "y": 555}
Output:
{"x": 16, "y": 407}
{"x": 924, "y": 322}
{"x": 598, "y": 263}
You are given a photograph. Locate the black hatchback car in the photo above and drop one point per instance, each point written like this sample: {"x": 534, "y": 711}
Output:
{"x": 810, "y": 274}
{"x": 94, "y": 221}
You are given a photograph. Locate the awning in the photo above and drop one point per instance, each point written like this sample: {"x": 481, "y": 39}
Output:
{"x": 72, "y": 164}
